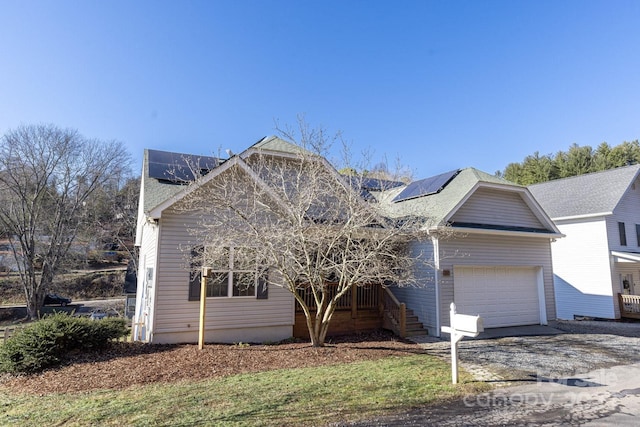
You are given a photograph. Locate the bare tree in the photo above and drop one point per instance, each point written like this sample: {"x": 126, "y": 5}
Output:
{"x": 47, "y": 177}
{"x": 299, "y": 225}
{"x": 112, "y": 221}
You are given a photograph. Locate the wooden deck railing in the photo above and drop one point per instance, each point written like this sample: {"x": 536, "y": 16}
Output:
{"x": 395, "y": 313}
{"x": 629, "y": 306}
{"x": 366, "y": 297}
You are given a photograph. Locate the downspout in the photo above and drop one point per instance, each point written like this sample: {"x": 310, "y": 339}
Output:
{"x": 436, "y": 275}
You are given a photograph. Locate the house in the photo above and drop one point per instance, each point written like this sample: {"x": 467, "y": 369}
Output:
{"x": 600, "y": 257}
{"x": 489, "y": 247}
{"x": 167, "y": 297}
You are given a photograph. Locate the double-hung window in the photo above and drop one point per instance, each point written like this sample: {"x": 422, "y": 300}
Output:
{"x": 234, "y": 272}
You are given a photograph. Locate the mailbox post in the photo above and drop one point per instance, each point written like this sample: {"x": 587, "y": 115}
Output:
{"x": 462, "y": 325}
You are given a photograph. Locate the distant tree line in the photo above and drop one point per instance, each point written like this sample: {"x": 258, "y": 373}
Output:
{"x": 577, "y": 160}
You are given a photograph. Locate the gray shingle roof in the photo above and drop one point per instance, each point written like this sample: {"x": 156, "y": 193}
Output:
{"x": 157, "y": 191}
{"x": 273, "y": 143}
{"x": 436, "y": 207}
{"x": 588, "y": 194}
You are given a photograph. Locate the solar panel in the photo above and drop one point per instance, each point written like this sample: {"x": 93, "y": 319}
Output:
{"x": 365, "y": 185}
{"x": 375, "y": 184}
{"x": 178, "y": 167}
{"x": 427, "y": 186}
{"x": 372, "y": 184}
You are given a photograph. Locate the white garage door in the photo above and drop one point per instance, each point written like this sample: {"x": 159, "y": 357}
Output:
{"x": 503, "y": 296}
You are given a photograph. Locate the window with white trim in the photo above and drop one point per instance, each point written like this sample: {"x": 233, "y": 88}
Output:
{"x": 234, "y": 272}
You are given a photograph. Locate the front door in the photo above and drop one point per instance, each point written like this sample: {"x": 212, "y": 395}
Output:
{"x": 628, "y": 284}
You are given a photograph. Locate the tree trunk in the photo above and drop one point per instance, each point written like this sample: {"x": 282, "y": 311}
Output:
{"x": 319, "y": 327}
{"x": 34, "y": 303}
{"x": 33, "y": 297}
{"x": 315, "y": 326}
{"x": 36, "y": 290}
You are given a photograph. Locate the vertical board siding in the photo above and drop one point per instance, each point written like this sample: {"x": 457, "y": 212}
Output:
{"x": 494, "y": 250}
{"x": 174, "y": 313}
{"x": 491, "y": 206}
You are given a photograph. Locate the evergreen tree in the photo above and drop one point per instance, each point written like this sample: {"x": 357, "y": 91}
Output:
{"x": 575, "y": 161}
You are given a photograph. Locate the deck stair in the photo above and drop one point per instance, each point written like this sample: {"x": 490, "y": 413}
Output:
{"x": 413, "y": 326}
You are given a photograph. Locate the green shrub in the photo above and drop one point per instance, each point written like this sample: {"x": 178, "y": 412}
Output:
{"x": 45, "y": 343}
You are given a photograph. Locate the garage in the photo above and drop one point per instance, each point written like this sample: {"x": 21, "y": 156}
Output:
{"x": 503, "y": 296}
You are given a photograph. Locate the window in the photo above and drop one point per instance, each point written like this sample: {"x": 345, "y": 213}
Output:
{"x": 218, "y": 280}
{"x": 234, "y": 272}
{"x": 623, "y": 234}
{"x": 638, "y": 233}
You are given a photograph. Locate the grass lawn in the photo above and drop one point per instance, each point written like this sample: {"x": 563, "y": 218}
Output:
{"x": 308, "y": 396}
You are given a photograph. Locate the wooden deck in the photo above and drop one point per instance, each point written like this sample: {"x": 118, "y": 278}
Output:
{"x": 629, "y": 306}
{"x": 368, "y": 308}
{"x": 342, "y": 323}
{"x": 358, "y": 311}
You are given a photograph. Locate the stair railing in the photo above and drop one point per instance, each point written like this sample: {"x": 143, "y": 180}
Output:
{"x": 395, "y": 313}
{"x": 629, "y": 306}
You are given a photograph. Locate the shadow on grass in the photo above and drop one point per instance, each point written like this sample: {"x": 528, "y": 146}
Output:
{"x": 568, "y": 381}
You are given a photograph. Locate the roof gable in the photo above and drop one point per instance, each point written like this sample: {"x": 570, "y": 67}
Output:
{"x": 273, "y": 143}
{"x": 438, "y": 206}
{"x": 464, "y": 195}
{"x": 497, "y": 207}
{"x": 159, "y": 192}
{"x": 586, "y": 195}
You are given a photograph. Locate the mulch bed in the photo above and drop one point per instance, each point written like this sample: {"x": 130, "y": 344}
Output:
{"x": 126, "y": 365}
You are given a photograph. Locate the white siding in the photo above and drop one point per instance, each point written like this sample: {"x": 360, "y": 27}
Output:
{"x": 491, "y": 206}
{"x": 582, "y": 270}
{"x": 228, "y": 319}
{"x": 422, "y": 298}
{"x": 628, "y": 212}
{"x": 494, "y": 250}
{"x": 148, "y": 234}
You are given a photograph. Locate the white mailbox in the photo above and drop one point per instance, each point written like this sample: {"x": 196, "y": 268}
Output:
{"x": 462, "y": 325}
{"x": 468, "y": 325}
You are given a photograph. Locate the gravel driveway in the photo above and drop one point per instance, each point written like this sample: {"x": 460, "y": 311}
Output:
{"x": 584, "y": 346}
{"x": 541, "y": 379}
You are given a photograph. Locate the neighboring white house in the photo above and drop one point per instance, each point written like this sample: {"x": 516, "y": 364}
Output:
{"x": 600, "y": 257}
{"x": 489, "y": 247}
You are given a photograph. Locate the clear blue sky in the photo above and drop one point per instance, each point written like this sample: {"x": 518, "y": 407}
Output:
{"x": 440, "y": 84}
